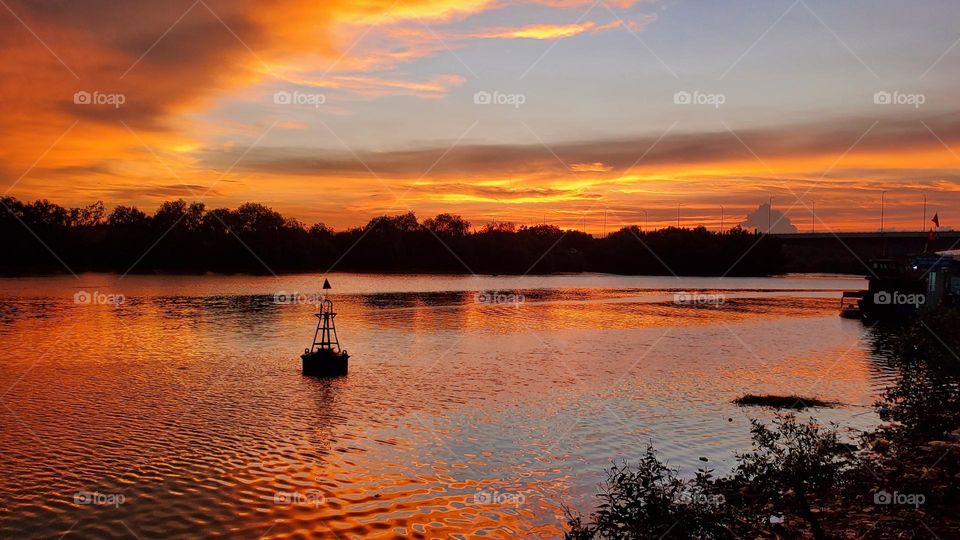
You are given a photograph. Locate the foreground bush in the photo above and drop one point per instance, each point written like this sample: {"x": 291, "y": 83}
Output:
{"x": 800, "y": 480}
{"x": 649, "y": 501}
{"x": 791, "y": 465}
{"x": 925, "y": 402}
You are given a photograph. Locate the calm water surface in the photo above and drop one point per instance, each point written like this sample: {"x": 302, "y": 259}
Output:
{"x": 181, "y": 412}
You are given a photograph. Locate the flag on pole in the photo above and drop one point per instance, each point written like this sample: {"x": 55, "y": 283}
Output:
{"x": 936, "y": 219}
{"x": 326, "y": 284}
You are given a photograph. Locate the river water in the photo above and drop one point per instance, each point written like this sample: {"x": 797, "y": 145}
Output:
{"x": 173, "y": 407}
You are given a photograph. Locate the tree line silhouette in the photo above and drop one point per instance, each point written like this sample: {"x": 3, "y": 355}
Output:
{"x": 43, "y": 237}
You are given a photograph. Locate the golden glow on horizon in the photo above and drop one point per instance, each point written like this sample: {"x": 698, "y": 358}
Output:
{"x": 156, "y": 147}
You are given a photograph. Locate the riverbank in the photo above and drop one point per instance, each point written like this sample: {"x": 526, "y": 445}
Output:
{"x": 806, "y": 480}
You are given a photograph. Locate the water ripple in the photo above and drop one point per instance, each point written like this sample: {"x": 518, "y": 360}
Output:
{"x": 178, "y": 414}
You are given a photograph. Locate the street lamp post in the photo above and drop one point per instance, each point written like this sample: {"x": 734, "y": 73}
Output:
{"x": 882, "y": 195}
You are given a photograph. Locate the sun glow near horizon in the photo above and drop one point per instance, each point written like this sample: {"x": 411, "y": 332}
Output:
{"x": 491, "y": 110}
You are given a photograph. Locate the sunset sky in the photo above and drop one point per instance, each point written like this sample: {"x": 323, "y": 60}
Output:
{"x": 585, "y": 120}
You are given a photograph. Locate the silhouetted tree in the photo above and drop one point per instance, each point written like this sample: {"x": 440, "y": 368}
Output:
{"x": 448, "y": 225}
{"x": 186, "y": 237}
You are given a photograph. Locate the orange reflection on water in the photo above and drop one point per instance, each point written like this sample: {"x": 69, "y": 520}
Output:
{"x": 459, "y": 417}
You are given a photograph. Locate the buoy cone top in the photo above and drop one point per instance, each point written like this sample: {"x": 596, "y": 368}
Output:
{"x": 326, "y": 284}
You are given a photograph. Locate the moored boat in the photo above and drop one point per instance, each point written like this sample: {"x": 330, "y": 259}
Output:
{"x": 850, "y": 305}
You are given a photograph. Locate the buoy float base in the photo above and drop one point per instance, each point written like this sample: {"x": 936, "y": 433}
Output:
{"x": 325, "y": 363}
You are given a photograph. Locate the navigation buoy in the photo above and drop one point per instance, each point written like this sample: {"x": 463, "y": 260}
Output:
{"x": 325, "y": 358}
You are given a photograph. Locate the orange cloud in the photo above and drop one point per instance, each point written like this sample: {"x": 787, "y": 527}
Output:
{"x": 703, "y": 171}
{"x": 435, "y": 87}
{"x": 171, "y": 60}
{"x": 165, "y": 60}
{"x": 620, "y": 4}
{"x": 560, "y": 31}
{"x": 541, "y": 31}
{"x": 590, "y": 167}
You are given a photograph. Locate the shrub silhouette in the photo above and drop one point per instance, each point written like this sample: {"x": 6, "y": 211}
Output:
{"x": 791, "y": 464}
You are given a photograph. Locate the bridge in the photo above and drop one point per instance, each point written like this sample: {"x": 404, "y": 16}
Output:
{"x": 847, "y": 252}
